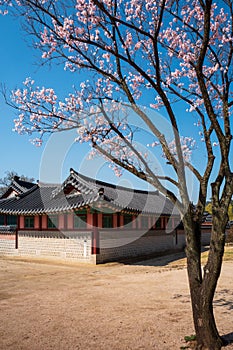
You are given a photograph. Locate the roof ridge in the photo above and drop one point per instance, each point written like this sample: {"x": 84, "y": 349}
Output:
{"x": 33, "y": 188}
{"x": 48, "y": 184}
{"x": 19, "y": 182}
{"x": 72, "y": 178}
{"x": 104, "y": 183}
{"x": 14, "y": 183}
{"x": 84, "y": 179}
{"x": 25, "y": 181}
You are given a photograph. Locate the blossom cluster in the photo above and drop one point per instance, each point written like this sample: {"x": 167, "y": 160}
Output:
{"x": 135, "y": 51}
{"x": 188, "y": 144}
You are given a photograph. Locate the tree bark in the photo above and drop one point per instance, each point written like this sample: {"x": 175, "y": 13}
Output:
{"x": 203, "y": 282}
{"x": 207, "y": 334}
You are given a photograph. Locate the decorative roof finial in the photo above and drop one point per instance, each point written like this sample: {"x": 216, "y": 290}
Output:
{"x": 101, "y": 192}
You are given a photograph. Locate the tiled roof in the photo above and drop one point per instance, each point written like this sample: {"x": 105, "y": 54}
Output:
{"x": 19, "y": 186}
{"x": 78, "y": 191}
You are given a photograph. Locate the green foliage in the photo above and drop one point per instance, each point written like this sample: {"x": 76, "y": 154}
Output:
{"x": 190, "y": 337}
{"x": 208, "y": 208}
{"x": 230, "y": 211}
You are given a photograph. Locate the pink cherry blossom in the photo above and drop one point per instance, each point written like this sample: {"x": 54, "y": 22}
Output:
{"x": 116, "y": 42}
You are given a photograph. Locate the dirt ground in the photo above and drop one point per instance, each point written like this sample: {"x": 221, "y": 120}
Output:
{"x": 136, "y": 306}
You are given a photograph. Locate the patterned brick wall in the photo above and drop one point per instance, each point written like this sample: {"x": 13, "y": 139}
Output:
{"x": 114, "y": 244}
{"x": 129, "y": 244}
{"x": 7, "y": 244}
{"x": 39, "y": 244}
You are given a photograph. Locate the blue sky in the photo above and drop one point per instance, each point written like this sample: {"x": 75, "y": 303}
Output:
{"x": 18, "y": 62}
{"x": 17, "y": 153}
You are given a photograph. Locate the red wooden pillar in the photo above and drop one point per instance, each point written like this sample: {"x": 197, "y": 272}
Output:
{"x": 95, "y": 245}
{"x": 99, "y": 220}
{"x": 134, "y": 222}
{"x": 70, "y": 221}
{"x": 173, "y": 223}
{"x": 37, "y": 222}
{"x": 149, "y": 222}
{"x": 21, "y": 222}
{"x": 166, "y": 222}
{"x": 162, "y": 223}
{"x": 44, "y": 222}
{"x": 40, "y": 222}
{"x": 61, "y": 221}
{"x": 17, "y": 234}
{"x": 140, "y": 222}
{"x": 115, "y": 223}
{"x": 121, "y": 220}
{"x": 90, "y": 220}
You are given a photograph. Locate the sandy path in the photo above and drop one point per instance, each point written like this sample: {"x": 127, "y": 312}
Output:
{"x": 111, "y": 307}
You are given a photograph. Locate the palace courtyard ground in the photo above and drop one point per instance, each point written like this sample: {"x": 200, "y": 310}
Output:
{"x": 144, "y": 305}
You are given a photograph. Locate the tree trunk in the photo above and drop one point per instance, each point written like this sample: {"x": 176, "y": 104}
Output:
{"x": 203, "y": 283}
{"x": 207, "y": 334}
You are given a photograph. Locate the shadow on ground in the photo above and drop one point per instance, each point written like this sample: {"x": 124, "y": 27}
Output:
{"x": 155, "y": 259}
{"x": 228, "y": 338}
{"x": 161, "y": 259}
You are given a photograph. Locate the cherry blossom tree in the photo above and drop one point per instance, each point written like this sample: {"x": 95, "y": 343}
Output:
{"x": 175, "y": 56}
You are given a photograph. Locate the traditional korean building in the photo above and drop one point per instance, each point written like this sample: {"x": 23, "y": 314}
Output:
{"x": 84, "y": 219}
